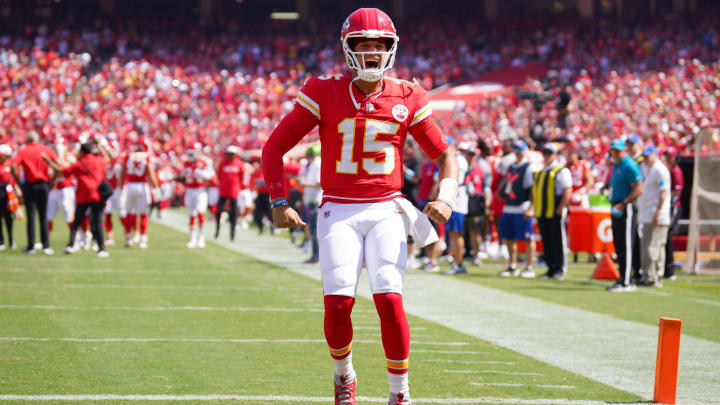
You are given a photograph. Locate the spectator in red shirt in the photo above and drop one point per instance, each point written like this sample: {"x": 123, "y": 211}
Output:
{"x": 6, "y": 186}
{"x": 89, "y": 171}
{"x": 230, "y": 176}
{"x": 31, "y": 159}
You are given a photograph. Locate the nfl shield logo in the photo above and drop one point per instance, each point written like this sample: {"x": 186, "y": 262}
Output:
{"x": 326, "y": 213}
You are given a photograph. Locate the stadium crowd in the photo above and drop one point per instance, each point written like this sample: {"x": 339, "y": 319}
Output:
{"x": 196, "y": 102}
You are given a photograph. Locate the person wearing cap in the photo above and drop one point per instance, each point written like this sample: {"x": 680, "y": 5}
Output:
{"x": 36, "y": 187}
{"x": 89, "y": 171}
{"x": 516, "y": 219}
{"x": 551, "y": 192}
{"x": 312, "y": 197}
{"x": 677, "y": 183}
{"x": 230, "y": 174}
{"x": 7, "y": 186}
{"x": 654, "y": 216}
{"x": 625, "y": 188}
{"x": 635, "y": 148}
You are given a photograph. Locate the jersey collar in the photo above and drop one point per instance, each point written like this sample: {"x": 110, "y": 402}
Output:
{"x": 372, "y": 96}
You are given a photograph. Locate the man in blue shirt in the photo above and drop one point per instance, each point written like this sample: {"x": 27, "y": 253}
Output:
{"x": 625, "y": 188}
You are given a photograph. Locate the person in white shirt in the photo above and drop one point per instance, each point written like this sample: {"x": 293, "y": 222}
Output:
{"x": 653, "y": 216}
{"x": 456, "y": 225}
{"x": 312, "y": 196}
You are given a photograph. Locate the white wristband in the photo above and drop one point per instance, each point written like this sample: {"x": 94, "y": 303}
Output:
{"x": 448, "y": 191}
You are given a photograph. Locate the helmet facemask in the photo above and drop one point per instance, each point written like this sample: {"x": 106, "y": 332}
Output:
{"x": 356, "y": 60}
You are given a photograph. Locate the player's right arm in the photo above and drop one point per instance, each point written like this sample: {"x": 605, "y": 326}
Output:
{"x": 292, "y": 128}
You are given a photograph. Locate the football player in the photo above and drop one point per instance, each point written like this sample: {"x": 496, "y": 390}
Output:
{"x": 137, "y": 171}
{"x": 364, "y": 119}
{"x": 196, "y": 172}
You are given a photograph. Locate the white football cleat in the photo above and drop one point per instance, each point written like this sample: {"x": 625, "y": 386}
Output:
{"x": 201, "y": 242}
{"x": 192, "y": 244}
{"x": 48, "y": 251}
{"x": 143, "y": 242}
{"x": 2, "y": 247}
{"x": 102, "y": 254}
{"x": 69, "y": 250}
{"x": 110, "y": 242}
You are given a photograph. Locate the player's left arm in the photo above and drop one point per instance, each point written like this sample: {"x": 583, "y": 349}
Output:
{"x": 151, "y": 174}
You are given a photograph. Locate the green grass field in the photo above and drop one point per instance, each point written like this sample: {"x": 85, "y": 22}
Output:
{"x": 213, "y": 321}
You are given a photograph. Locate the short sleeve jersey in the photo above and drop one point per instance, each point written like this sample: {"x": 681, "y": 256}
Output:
{"x": 195, "y": 173}
{"x": 362, "y": 136}
{"x": 136, "y": 167}
{"x": 579, "y": 171}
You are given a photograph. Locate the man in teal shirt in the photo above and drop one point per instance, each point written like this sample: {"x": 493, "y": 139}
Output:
{"x": 625, "y": 188}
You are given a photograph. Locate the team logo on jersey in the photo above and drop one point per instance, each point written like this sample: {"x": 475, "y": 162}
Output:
{"x": 400, "y": 112}
{"x": 326, "y": 213}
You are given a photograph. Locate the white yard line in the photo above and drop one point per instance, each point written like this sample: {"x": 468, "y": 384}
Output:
{"x": 609, "y": 350}
{"x": 203, "y": 340}
{"x": 285, "y": 399}
{"x": 466, "y": 361}
{"x": 708, "y": 302}
{"x": 118, "y": 271}
{"x": 449, "y": 352}
{"x": 490, "y": 372}
{"x": 562, "y": 387}
{"x": 182, "y": 308}
{"x": 146, "y": 287}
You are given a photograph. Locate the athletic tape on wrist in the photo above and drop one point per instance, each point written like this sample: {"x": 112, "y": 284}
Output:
{"x": 448, "y": 191}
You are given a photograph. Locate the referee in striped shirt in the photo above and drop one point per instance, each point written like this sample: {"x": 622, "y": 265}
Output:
{"x": 625, "y": 188}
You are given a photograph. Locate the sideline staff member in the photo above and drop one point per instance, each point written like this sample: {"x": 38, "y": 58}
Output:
{"x": 625, "y": 188}
{"x": 551, "y": 192}
{"x": 36, "y": 187}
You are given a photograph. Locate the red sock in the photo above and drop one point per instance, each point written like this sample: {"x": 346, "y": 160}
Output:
{"x": 143, "y": 224}
{"x": 441, "y": 230}
{"x": 50, "y": 226}
{"x": 395, "y": 331}
{"x": 192, "y": 222}
{"x": 213, "y": 209}
{"x": 132, "y": 222}
{"x": 108, "y": 223}
{"x": 201, "y": 219}
{"x": 338, "y": 325}
{"x": 85, "y": 224}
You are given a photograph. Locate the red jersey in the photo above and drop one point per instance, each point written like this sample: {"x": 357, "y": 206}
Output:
{"x": 230, "y": 175}
{"x": 5, "y": 174}
{"x": 580, "y": 172}
{"x": 113, "y": 170}
{"x": 164, "y": 174}
{"x": 196, "y": 173}
{"x": 427, "y": 179}
{"x": 61, "y": 181}
{"x": 257, "y": 182}
{"x": 475, "y": 179}
{"x": 89, "y": 172}
{"x": 362, "y": 136}
{"x": 34, "y": 167}
{"x": 137, "y": 165}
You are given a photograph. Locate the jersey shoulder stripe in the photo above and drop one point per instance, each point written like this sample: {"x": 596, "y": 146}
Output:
{"x": 421, "y": 114}
{"x": 309, "y": 104}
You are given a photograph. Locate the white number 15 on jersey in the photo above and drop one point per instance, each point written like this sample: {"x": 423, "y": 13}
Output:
{"x": 347, "y": 128}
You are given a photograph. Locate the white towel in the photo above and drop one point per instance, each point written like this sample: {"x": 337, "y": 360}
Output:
{"x": 420, "y": 227}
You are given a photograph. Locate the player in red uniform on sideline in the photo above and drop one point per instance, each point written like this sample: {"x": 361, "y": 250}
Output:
{"x": 363, "y": 121}
{"x": 114, "y": 203}
{"x": 137, "y": 171}
{"x": 196, "y": 172}
{"x": 582, "y": 178}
